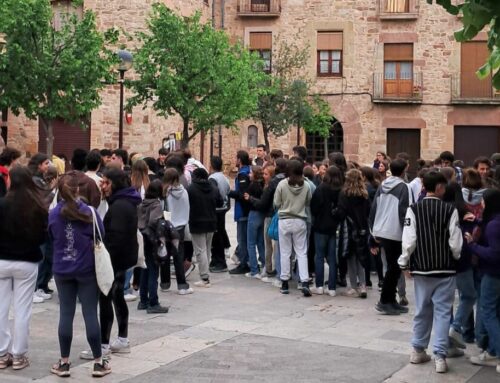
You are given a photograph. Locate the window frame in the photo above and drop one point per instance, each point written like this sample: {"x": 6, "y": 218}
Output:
{"x": 330, "y": 72}
{"x": 260, "y": 52}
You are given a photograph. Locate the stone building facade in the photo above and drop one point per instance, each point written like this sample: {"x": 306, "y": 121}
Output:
{"x": 397, "y": 80}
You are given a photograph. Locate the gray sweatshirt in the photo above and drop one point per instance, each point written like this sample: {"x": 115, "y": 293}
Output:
{"x": 178, "y": 205}
{"x": 291, "y": 201}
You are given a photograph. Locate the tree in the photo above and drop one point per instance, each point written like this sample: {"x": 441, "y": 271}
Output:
{"x": 189, "y": 69}
{"x": 478, "y": 14}
{"x": 51, "y": 73}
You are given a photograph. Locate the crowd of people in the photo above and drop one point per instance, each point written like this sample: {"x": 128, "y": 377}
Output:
{"x": 328, "y": 226}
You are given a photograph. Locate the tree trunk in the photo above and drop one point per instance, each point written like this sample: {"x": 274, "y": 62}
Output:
{"x": 265, "y": 131}
{"x": 325, "y": 143}
{"x": 49, "y": 132}
{"x": 185, "y": 134}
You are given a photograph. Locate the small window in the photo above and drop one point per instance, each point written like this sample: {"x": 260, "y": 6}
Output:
{"x": 62, "y": 10}
{"x": 330, "y": 53}
{"x": 262, "y": 44}
{"x": 397, "y": 6}
{"x": 253, "y": 136}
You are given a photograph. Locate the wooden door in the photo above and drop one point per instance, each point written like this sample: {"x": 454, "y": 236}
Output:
{"x": 67, "y": 137}
{"x": 405, "y": 140}
{"x": 474, "y": 55}
{"x": 474, "y": 141}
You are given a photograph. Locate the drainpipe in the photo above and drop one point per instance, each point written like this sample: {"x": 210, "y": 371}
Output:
{"x": 222, "y": 6}
{"x": 213, "y": 14}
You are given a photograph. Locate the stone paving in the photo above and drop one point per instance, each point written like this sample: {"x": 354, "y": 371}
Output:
{"x": 245, "y": 330}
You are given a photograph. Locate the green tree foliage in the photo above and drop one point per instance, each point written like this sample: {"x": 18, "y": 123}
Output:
{"x": 189, "y": 69}
{"x": 476, "y": 16}
{"x": 51, "y": 73}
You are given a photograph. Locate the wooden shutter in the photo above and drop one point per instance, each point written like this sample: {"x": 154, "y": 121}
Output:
{"x": 330, "y": 41}
{"x": 398, "y": 52}
{"x": 397, "y": 6}
{"x": 474, "y": 55}
{"x": 404, "y": 140}
{"x": 261, "y": 40}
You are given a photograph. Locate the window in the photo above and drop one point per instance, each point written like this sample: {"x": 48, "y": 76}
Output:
{"x": 398, "y": 70}
{"x": 315, "y": 144}
{"x": 262, "y": 43}
{"x": 260, "y": 5}
{"x": 397, "y": 6}
{"x": 253, "y": 136}
{"x": 62, "y": 9}
{"x": 330, "y": 53}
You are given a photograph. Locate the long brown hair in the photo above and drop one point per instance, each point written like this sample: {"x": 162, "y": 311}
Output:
{"x": 139, "y": 176}
{"x": 295, "y": 173}
{"x": 68, "y": 190}
{"x": 257, "y": 174}
{"x": 171, "y": 178}
{"x": 354, "y": 185}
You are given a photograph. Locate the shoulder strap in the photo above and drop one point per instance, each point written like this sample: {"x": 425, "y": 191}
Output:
{"x": 95, "y": 227}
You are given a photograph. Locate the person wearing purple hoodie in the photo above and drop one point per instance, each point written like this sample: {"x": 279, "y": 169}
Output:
{"x": 71, "y": 231}
{"x": 487, "y": 249}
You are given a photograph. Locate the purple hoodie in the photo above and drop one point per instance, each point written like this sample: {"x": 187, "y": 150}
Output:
{"x": 489, "y": 251}
{"x": 73, "y": 243}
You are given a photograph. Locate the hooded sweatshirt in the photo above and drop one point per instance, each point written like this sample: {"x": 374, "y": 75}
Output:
{"x": 291, "y": 201}
{"x": 204, "y": 198}
{"x": 241, "y": 183}
{"x": 120, "y": 224}
{"x": 149, "y": 212}
{"x": 489, "y": 250}
{"x": 178, "y": 205}
{"x": 224, "y": 188}
{"x": 389, "y": 209}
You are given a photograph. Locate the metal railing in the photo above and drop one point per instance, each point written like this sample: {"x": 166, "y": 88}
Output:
{"x": 472, "y": 89}
{"x": 259, "y": 7}
{"x": 407, "y": 88}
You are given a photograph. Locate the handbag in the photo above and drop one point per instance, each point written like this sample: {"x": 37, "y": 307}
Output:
{"x": 103, "y": 267}
{"x": 272, "y": 230}
{"x": 141, "y": 259}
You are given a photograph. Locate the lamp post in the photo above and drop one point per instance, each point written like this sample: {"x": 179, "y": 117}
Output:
{"x": 3, "y": 112}
{"x": 125, "y": 64}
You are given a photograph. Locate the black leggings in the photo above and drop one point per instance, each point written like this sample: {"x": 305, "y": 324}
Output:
{"x": 87, "y": 291}
{"x": 106, "y": 303}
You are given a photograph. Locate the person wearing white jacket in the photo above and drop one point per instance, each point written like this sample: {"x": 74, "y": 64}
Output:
{"x": 432, "y": 241}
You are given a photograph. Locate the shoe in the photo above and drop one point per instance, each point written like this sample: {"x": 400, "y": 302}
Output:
{"x": 331, "y": 293}
{"x": 454, "y": 352}
{"x": 456, "y": 339}
{"x": 240, "y": 269}
{"x": 342, "y": 282}
{"x": 305, "y": 289}
{"x": 362, "y": 292}
{"x": 284, "y": 287}
{"x": 441, "y": 365}
{"x": 369, "y": 285}
{"x": 380, "y": 284}
{"x": 267, "y": 279}
{"x": 403, "y": 301}
{"x": 157, "y": 309}
{"x": 188, "y": 268}
{"x": 255, "y": 276}
{"x": 484, "y": 359}
{"x": 120, "y": 346}
{"x": 277, "y": 283}
{"x": 217, "y": 269}
{"x": 165, "y": 286}
{"x": 203, "y": 283}
{"x": 352, "y": 293}
{"x": 142, "y": 306}
{"x": 87, "y": 354}
{"x": 130, "y": 297}
{"x": 401, "y": 309}
{"x": 386, "y": 309}
{"x": 61, "y": 369}
{"x": 227, "y": 253}
{"x": 187, "y": 291}
{"x": 498, "y": 367}
{"x": 419, "y": 357}
{"x": 5, "y": 361}
{"x": 40, "y": 293}
{"x": 47, "y": 290}
{"x": 317, "y": 290}
{"x": 101, "y": 369}
{"x": 234, "y": 258}
{"x": 37, "y": 299}
{"x": 20, "y": 363}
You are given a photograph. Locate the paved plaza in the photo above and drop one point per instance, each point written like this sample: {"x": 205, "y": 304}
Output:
{"x": 243, "y": 330}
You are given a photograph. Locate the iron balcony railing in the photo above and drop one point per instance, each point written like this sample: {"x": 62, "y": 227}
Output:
{"x": 404, "y": 88}
{"x": 470, "y": 89}
{"x": 269, "y": 8}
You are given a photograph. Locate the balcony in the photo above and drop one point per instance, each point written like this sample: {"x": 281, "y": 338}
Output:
{"x": 259, "y": 8}
{"x": 398, "y": 9}
{"x": 468, "y": 89}
{"x": 404, "y": 90}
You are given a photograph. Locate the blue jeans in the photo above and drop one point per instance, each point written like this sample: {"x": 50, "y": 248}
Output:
{"x": 489, "y": 309}
{"x": 149, "y": 278}
{"x": 255, "y": 237}
{"x": 467, "y": 293}
{"x": 241, "y": 237}
{"x": 326, "y": 247}
{"x": 277, "y": 259}
{"x": 127, "y": 289}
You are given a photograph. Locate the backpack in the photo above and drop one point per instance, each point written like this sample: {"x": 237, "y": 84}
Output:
{"x": 165, "y": 240}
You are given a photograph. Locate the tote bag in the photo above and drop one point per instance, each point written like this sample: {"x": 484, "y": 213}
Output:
{"x": 141, "y": 259}
{"x": 103, "y": 267}
{"x": 272, "y": 230}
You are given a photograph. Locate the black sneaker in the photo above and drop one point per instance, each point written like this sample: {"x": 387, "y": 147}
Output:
{"x": 240, "y": 269}
{"x": 403, "y": 301}
{"x": 165, "y": 286}
{"x": 386, "y": 309}
{"x": 47, "y": 290}
{"x": 217, "y": 269}
{"x": 342, "y": 282}
{"x": 305, "y": 289}
{"x": 142, "y": 306}
{"x": 401, "y": 309}
{"x": 284, "y": 287}
{"x": 272, "y": 274}
{"x": 61, "y": 369}
{"x": 157, "y": 309}
{"x": 101, "y": 369}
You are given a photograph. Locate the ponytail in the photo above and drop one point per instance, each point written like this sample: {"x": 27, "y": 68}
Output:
{"x": 68, "y": 190}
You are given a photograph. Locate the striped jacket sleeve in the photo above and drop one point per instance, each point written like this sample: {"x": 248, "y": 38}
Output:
{"x": 409, "y": 238}
{"x": 456, "y": 238}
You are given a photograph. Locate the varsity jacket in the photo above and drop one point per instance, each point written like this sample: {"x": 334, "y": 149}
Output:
{"x": 432, "y": 239}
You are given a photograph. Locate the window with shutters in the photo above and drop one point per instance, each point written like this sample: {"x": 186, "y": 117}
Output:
{"x": 398, "y": 9}
{"x": 397, "y": 6}
{"x": 329, "y": 54}
{"x": 398, "y": 70}
{"x": 253, "y": 136}
{"x": 62, "y": 10}
{"x": 262, "y": 44}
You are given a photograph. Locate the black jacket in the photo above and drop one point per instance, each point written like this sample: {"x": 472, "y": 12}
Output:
{"x": 255, "y": 190}
{"x": 265, "y": 203}
{"x": 357, "y": 209}
{"x": 324, "y": 201}
{"x": 120, "y": 227}
{"x": 204, "y": 198}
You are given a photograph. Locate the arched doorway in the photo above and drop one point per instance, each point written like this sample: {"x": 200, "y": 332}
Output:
{"x": 316, "y": 144}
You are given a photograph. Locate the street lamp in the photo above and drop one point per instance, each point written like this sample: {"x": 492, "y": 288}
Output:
{"x": 125, "y": 64}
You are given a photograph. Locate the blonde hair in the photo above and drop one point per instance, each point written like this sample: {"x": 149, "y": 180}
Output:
{"x": 354, "y": 185}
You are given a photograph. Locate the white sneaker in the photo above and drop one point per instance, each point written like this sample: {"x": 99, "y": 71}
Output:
{"x": 498, "y": 367}
{"x": 267, "y": 279}
{"x": 255, "y": 276}
{"x": 419, "y": 357}
{"x": 130, "y": 297}
{"x": 456, "y": 339}
{"x": 441, "y": 365}
{"x": 202, "y": 283}
{"x": 317, "y": 290}
{"x": 233, "y": 258}
{"x": 331, "y": 293}
{"x": 484, "y": 359}
{"x": 186, "y": 291}
{"x": 120, "y": 346}
{"x": 277, "y": 283}
{"x": 87, "y": 354}
{"x": 37, "y": 299}
{"x": 42, "y": 294}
